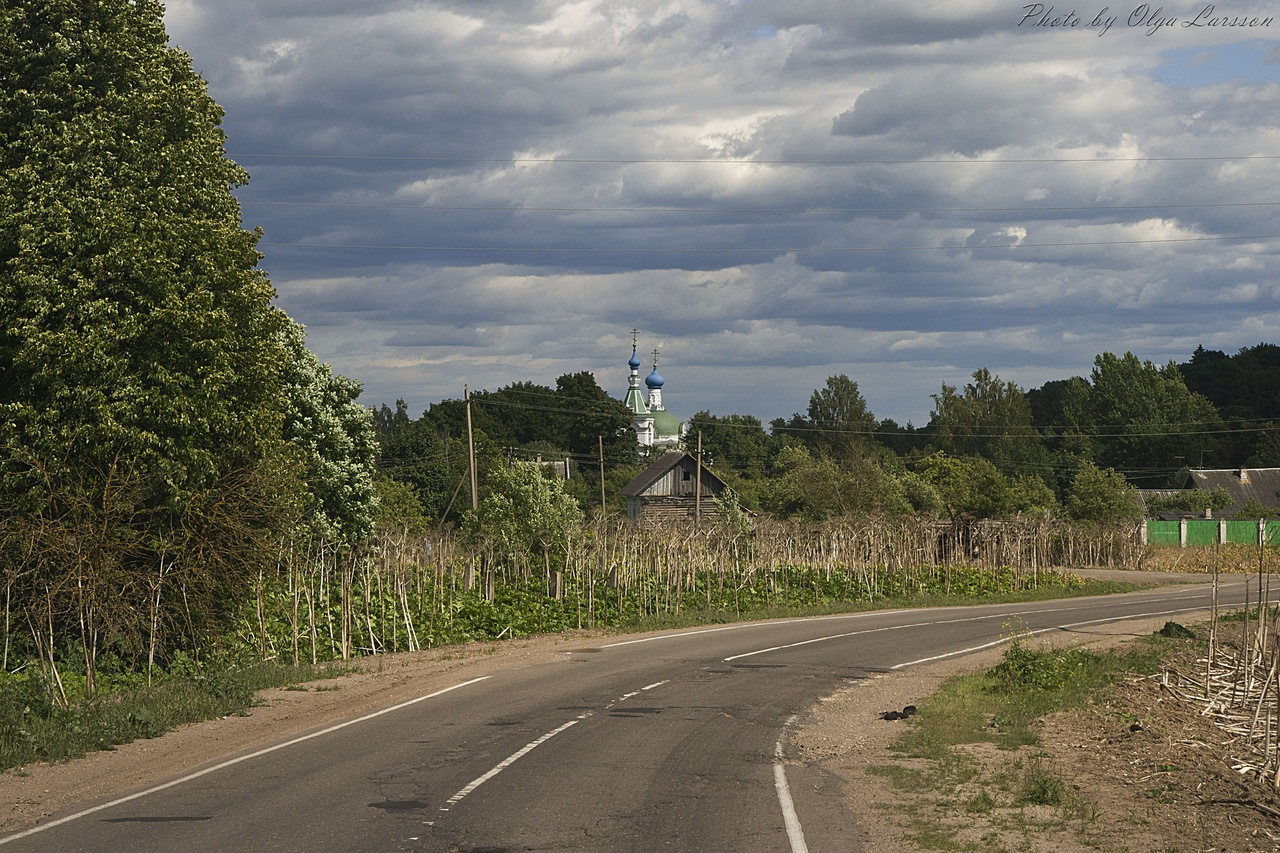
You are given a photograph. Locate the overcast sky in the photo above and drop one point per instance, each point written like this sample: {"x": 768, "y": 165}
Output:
{"x": 486, "y": 191}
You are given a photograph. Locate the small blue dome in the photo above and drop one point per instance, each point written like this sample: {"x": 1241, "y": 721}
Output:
{"x": 635, "y": 360}
{"x": 654, "y": 380}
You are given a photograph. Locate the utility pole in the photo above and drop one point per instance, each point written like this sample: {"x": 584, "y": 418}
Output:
{"x": 697, "y": 489}
{"x": 600, "y": 438}
{"x": 471, "y": 451}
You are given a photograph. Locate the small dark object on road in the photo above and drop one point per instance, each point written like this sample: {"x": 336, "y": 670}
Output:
{"x": 899, "y": 715}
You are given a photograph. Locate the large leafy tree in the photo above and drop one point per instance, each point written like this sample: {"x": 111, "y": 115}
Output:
{"x": 140, "y": 388}
{"x": 837, "y": 421}
{"x": 988, "y": 418}
{"x": 1103, "y": 496}
{"x": 1245, "y": 388}
{"x": 735, "y": 443}
{"x": 819, "y": 487}
{"x": 523, "y": 511}
{"x": 589, "y": 416}
{"x": 969, "y": 487}
{"x": 136, "y": 319}
{"x": 1146, "y": 421}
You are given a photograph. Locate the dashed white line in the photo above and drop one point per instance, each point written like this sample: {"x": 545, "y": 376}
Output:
{"x": 529, "y": 747}
{"x": 634, "y": 693}
{"x": 507, "y": 762}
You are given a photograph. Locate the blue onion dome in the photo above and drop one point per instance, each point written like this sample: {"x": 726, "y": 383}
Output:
{"x": 634, "y": 363}
{"x": 654, "y": 380}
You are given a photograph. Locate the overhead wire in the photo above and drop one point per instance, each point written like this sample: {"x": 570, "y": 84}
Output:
{"x": 722, "y": 161}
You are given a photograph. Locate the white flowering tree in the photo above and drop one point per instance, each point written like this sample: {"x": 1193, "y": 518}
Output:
{"x": 335, "y": 438}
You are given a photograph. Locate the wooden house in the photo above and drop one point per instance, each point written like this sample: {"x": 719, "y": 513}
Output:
{"x": 668, "y": 490}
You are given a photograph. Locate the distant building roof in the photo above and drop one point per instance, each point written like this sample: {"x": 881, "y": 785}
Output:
{"x": 1243, "y": 484}
{"x": 662, "y": 466}
{"x": 673, "y": 489}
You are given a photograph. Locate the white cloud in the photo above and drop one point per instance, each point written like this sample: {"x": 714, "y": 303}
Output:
{"x": 902, "y": 194}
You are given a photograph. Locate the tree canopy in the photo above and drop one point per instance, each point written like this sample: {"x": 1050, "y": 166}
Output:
{"x": 837, "y": 421}
{"x": 162, "y": 424}
{"x": 987, "y": 418}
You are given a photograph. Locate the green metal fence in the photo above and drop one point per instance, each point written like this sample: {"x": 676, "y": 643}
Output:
{"x": 1242, "y": 532}
{"x": 1164, "y": 533}
{"x": 1210, "y": 531}
{"x": 1206, "y": 531}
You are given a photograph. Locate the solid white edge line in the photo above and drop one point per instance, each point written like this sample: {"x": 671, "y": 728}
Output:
{"x": 944, "y": 622}
{"x": 232, "y": 761}
{"x": 864, "y": 631}
{"x": 860, "y": 615}
{"x": 795, "y": 834}
{"x": 1042, "y": 631}
{"x": 504, "y": 764}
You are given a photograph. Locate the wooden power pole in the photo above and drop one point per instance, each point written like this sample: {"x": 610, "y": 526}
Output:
{"x": 471, "y": 451}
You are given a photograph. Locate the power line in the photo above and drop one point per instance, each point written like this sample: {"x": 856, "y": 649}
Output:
{"x": 634, "y": 161}
{"x": 546, "y": 209}
{"x": 773, "y": 250}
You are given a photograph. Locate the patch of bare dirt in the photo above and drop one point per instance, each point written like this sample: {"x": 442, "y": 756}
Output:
{"x": 1137, "y": 770}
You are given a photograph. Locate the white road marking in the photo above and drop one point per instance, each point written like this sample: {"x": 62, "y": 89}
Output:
{"x": 507, "y": 762}
{"x": 862, "y": 615}
{"x": 953, "y": 622}
{"x": 229, "y": 762}
{"x": 864, "y": 631}
{"x": 625, "y": 696}
{"x": 959, "y": 652}
{"x": 529, "y": 747}
{"x": 789, "y": 817}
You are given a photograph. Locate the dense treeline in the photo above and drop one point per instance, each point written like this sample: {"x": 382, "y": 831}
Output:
{"x": 1075, "y": 449}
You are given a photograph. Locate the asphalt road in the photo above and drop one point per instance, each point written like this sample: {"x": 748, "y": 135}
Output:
{"x": 675, "y": 742}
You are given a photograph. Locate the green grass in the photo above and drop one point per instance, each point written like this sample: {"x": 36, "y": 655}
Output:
{"x": 1002, "y": 706}
{"x": 35, "y": 728}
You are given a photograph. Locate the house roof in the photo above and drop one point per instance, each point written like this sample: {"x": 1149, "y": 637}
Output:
{"x": 1243, "y": 484}
{"x": 659, "y": 469}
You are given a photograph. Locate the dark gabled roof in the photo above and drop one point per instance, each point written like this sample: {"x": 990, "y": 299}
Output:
{"x": 1260, "y": 484}
{"x": 659, "y": 469}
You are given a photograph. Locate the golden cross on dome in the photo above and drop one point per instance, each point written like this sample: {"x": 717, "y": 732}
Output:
{"x": 655, "y": 358}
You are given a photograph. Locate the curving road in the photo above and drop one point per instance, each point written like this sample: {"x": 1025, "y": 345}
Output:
{"x": 672, "y": 742}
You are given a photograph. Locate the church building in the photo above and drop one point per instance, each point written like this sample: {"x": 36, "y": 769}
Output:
{"x": 656, "y": 427}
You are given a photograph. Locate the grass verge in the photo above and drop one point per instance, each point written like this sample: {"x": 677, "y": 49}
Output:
{"x": 34, "y": 728}
{"x": 971, "y": 776}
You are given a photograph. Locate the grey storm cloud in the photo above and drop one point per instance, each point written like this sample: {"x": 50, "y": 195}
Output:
{"x": 488, "y": 192}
